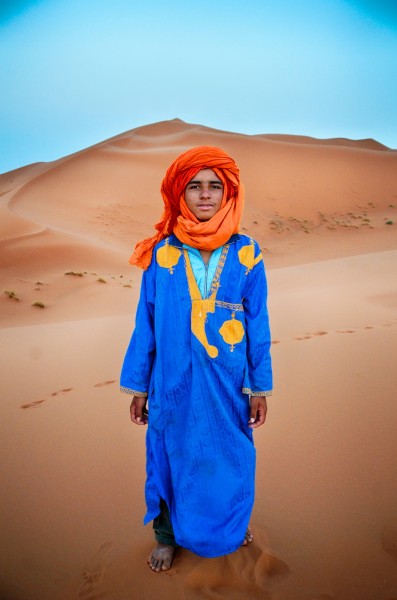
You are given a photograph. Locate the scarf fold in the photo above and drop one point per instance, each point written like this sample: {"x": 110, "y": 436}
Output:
{"x": 178, "y": 219}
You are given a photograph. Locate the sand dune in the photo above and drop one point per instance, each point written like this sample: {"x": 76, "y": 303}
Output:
{"x": 325, "y": 214}
{"x": 305, "y": 200}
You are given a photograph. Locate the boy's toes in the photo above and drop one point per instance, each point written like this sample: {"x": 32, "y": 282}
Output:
{"x": 161, "y": 558}
{"x": 248, "y": 537}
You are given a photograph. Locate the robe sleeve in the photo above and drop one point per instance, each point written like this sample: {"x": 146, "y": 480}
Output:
{"x": 138, "y": 361}
{"x": 260, "y": 380}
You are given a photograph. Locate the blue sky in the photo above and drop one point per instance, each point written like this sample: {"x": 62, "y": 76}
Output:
{"x": 76, "y": 72}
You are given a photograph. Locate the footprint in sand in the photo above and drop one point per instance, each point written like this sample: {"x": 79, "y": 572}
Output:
{"x": 320, "y": 333}
{"x": 39, "y": 402}
{"x": 389, "y": 541}
{"x": 34, "y": 404}
{"x": 94, "y": 572}
{"x": 243, "y": 574}
{"x": 105, "y": 383}
{"x": 61, "y": 391}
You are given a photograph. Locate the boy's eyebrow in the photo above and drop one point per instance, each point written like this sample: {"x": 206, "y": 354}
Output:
{"x": 200, "y": 181}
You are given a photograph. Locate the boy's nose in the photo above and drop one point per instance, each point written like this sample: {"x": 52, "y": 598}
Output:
{"x": 205, "y": 193}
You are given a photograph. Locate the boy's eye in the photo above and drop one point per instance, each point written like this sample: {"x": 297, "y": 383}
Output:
{"x": 196, "y": 186}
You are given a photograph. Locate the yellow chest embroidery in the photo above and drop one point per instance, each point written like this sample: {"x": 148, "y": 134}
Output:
{"x": 202, "y": 306}
{"x": 168, "y": 256}
{"x": 232, "y": 331}
{"x": 246, "y": 256}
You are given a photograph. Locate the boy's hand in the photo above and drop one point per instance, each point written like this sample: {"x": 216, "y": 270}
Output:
{"x": 258, "y": 411}
{"x": 138, "y": 410}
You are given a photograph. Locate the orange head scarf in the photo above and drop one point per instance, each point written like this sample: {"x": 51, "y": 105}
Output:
{"x": 178, "y": 219}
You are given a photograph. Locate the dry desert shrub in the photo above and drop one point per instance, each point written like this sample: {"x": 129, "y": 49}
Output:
{"x": 38, "y": 304}
{"x": 12, "y": 295}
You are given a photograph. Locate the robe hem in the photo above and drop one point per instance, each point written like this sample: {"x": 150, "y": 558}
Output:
{"x": 148, "y": 518}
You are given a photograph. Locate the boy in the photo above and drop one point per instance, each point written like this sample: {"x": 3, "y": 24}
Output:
{"x": 200, "y": 356}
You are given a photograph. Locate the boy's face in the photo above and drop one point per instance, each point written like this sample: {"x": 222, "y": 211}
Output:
{"x": 203, "y": 194}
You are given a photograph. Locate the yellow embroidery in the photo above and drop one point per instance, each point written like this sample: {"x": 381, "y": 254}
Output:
{"x": 246, "y": 256}
{"x": 232, "y": 332}
{"x": 200, "y": 309}
{"x": 167, "y": 256}
{"x": 202, "y": 306}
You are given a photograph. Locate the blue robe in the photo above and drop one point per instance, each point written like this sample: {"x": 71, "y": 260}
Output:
{"x": 199, "y": 360}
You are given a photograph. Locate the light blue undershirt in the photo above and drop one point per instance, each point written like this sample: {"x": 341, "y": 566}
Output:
{"x": 203, "y": 273}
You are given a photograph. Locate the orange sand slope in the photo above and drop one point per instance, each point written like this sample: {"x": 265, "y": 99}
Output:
{"x": 325, "y": 214}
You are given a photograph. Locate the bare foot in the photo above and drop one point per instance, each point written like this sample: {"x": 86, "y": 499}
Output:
{"x": 249, "y": 536}
{"x": 161, "y": 557}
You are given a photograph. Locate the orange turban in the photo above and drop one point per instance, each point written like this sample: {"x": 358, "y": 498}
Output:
{"x": 178, "y": 219}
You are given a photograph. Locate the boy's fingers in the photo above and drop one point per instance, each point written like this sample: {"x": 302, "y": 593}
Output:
{"x": 253, "y": 412}
{"x": 258, "y": 412}
{"x": 261, "y": 415}
{"x": 136, "y": 409}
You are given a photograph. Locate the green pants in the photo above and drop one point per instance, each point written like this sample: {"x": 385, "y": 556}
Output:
{"x": 163, "y": 531}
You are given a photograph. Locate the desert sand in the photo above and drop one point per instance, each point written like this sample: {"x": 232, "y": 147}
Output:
{"x": 73, "y": 468}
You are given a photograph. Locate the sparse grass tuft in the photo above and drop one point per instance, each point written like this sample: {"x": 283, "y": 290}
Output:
{"x": 277, "y": 224}
{"x": 303, "y": 225}
{"x": 12, "y": 295}
{"x": 101, "y": 280}
{"x": 38, "y": 304}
